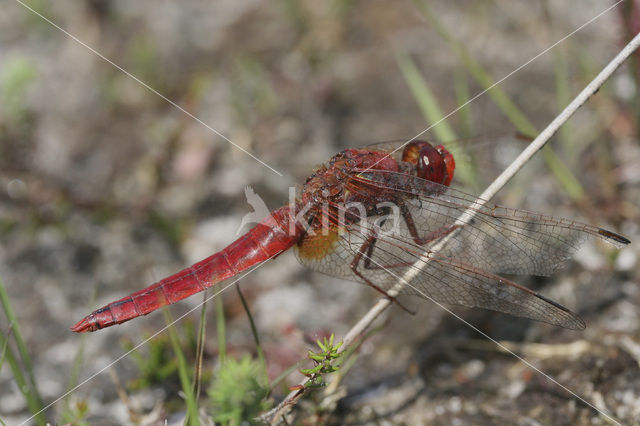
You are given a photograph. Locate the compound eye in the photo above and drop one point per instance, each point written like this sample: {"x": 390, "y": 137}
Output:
{"x": 449, "y": 163}
{"x": 434, "y": 164}
{"x": 431, "y": 165}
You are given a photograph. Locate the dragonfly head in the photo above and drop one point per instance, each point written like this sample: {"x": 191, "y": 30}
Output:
{"x": 435, "y": 164}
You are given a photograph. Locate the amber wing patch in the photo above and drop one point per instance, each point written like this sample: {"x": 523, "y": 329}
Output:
{"x": 319, "y": 245}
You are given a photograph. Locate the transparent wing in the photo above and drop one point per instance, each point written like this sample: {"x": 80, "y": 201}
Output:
{"x": 498, "y": 239}
{"x": 382, "y": 250}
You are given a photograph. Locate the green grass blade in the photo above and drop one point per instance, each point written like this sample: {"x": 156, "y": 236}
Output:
{"x": 79, "y": 356}
{"x": 517, "y": 118}
{"x": 77, "y": 365}
{"x": 424, "y": 96}
{"x": 74, "y": 414}
{"x": 197, "y": 371}
{"x": 461, "y": 86}
{"x": 71, "y": 414}
{"x": 27, "y": 384}
{"x": 33, "y": 403}
{"x": 254, "y": 330}
{"x": 5, "y": 347}
{"x": 22, "y": 348}
{"x": 430, "y": 108}
{"x": 220, "y": 326}
{"x": 563, "y": 97}
{"x": 569, "y": 147}
{"x": 295, "y": 367}
{"x": 562, "y": 174}
{"x": 192, "y": 417}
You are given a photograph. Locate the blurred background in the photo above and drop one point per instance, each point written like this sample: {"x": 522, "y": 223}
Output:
{"x": 105, "y": 187}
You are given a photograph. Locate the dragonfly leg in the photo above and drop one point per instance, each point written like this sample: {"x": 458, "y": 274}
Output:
{"x": 366, "y": 250}
{"x": 432, "y": 236}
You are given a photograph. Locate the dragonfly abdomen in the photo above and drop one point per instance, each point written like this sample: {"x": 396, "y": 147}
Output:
{"x": 264, "y": 241}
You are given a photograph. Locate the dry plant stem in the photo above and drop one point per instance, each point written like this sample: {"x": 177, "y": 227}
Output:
{"x": 572, "y": 350}
{"x": 122, "y": 394}
{"x": 537, "y": 144}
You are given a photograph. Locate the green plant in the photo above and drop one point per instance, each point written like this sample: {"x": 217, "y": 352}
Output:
{"x": 17, "y": 75}
{"x": 192, "y": 417}
{"x": 239, "y": 392}
{"x": 158, "y": 365}
{"x": 253, "y": 92}
{"x": 323, "y": 360}
{"x": 254, "y": 331}
{"x": 27, "y": 385}
{"x": 75, "y": 413}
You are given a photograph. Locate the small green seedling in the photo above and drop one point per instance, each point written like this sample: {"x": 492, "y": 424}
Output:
{"x": 323, "y": 360}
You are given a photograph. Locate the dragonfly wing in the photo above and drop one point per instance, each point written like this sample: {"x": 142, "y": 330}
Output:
{"x": 464, "y": 259}
{"x": 462, "y": 284}
{"x": 497, "y": 239}
{"x": 440, "y": 279}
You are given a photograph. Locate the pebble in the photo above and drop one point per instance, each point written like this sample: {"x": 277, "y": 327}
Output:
{"x": 627, "y": 259}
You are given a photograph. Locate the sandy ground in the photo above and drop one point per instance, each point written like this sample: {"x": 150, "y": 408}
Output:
{"x": 105, "y": 187}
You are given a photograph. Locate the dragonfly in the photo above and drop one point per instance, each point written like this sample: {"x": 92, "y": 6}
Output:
{"x": 372, "y": 215}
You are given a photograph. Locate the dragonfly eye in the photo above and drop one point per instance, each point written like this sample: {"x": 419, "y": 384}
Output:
{"x": 431, "y": 165}
{"x": 449, "y": 163}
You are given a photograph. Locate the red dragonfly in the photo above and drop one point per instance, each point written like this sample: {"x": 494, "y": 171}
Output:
{"x": 368, "y": 215}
